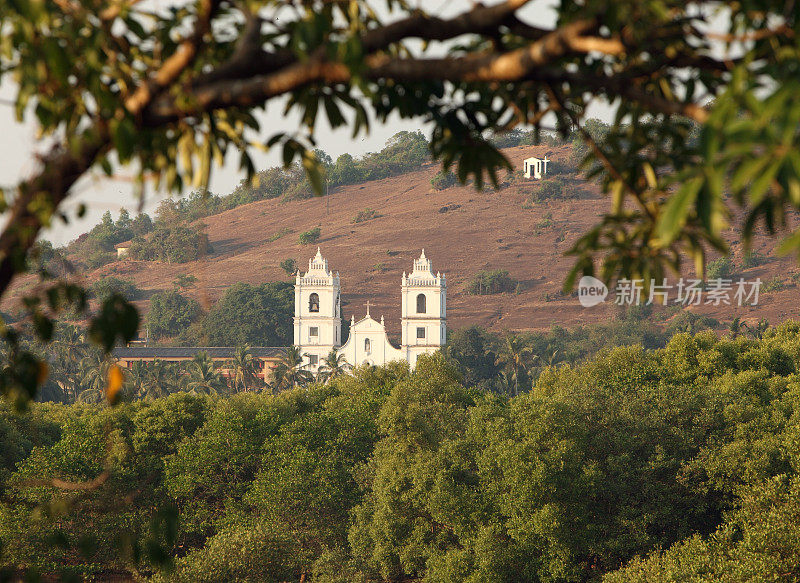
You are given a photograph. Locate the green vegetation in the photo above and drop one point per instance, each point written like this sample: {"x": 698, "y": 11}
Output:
{"x": 172, "y": 244}
{"x": 278, "y": 234}
{"x": 721, "y": 268}
{"x": 365, "y": 215}
{"x": 636, "y": 465}
{"x": 443, "y": 180}
{"x": 310, "y": 236}
{"x": 494, "y": 281}
{"x": 96, "y": 247}
{"x": 289, "y": 266}
{"x": 185, "y": 281}
{"x": 753, "y": 258}
{"x": 106, "y": 286}
{"x": 171, "y": 313}
{"x": 774, "y": 284}
{"x": 546, "y": 189}
{"x": 256, "y": 315}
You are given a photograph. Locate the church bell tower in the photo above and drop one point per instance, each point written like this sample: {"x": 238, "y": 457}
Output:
{"x": 318, "y": 312}
{"x": 423, "y": 310}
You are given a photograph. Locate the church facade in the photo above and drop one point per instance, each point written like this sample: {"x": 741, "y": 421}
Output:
{"x": 318, "y": 318}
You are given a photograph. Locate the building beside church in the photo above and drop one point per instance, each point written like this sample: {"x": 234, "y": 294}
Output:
{"x": 318, "y": 318}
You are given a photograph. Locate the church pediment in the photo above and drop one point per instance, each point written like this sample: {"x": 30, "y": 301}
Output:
{"x": 367, "y": 324}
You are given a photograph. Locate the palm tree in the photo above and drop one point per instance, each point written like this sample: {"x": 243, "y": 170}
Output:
{"x": 136, "y": 377}
{"x": 513, "y": 354}
{"x": 202, "y": 377}
{"x": 68, "y": 349}
{"x": 290, "y": 371}
{"x": 333, "y": 365}
{"x": 759, "y": 329}
{"x": 244, "y": 368}
{"x": 737, "y": 327}
{"x": 157, "y": 379}
{"x": 93, "y": 375}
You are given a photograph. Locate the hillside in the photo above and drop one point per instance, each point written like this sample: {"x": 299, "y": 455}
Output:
{"x": 462, "y": 231}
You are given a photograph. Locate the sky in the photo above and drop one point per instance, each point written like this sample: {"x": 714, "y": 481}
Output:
{"x": 19, "y": 145}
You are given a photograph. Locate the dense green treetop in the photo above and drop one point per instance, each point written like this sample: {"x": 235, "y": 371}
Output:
{"x": 256, "y": 315}
{"x": 671, "y": 464}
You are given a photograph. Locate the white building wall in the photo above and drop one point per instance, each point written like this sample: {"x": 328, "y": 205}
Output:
{"x": 327, "y": 321}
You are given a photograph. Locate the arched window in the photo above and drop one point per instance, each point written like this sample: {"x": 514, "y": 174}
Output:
{"x": 367, "y": 346}
{"x": 421, "y": 308}
{"x": 313, "y": 303}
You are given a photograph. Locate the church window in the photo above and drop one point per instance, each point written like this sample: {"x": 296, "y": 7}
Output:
{"x": 313, "y": 333}
{"x": 367, "y": 346}
{"x": 313, "y": 303}
{"x": 421, "y": 308}
{"x": 313, "y": 359}
{"x": 421, "y": 332}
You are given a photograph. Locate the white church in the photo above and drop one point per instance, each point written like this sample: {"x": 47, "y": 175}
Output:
{"x": 318, "y": 318}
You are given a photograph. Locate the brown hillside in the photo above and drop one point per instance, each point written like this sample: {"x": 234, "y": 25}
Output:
{"x": 462, "y": 231}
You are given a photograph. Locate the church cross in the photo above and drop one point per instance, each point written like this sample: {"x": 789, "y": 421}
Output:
{"x": 368, "y": 304}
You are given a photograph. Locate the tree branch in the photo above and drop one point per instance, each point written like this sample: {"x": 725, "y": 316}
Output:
{"x": 178, "y": 62}
{"x": 250, "y": 60}
{"x": 515, "y": 65}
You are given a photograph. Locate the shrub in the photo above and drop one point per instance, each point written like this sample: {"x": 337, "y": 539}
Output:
{"x": 548, "y": 190}
{"x": 184, "y": 281}
{"x": 289, "y": 266}
{"x": 491, "y": 282}
{"x": 275, "y": 236}
{"x": 310, "y": 236}
{"x": 365, "y": 215}
{"x": 773, "y": 285}
{"x": 106, "y": 286}
{"x": 753, "y": 258}
{"x": 721, "y": 268}
{"x": 443, "y": 180}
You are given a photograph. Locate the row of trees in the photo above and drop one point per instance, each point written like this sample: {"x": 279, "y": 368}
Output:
{"x": 670, "y": 464}
{"x": 507, "y": 363}
{"x": 78, "y": 372}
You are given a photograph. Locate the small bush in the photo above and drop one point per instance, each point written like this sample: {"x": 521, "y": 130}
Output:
{"x": 103, "y": 288}
{"x": 289, "y": 266}
{"x": 562, "y": 166}
{"x": 548, "y": 190}
{"x": 275, "y": 236}
{"x": 721, "y": 268}
{"x": 184, "y": 281}
{"x": 773, "y": 285}
{"x": 491, "y": 282}
{"x": 443, "y": 180}
{"x": 365, "y": 215}
{"x": 753, "y": 259}
{"x": 310, "y": 236}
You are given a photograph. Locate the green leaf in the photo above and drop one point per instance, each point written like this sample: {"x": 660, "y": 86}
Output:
{"x": 118, "y": 319}
{"x": 674, "y": 215}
